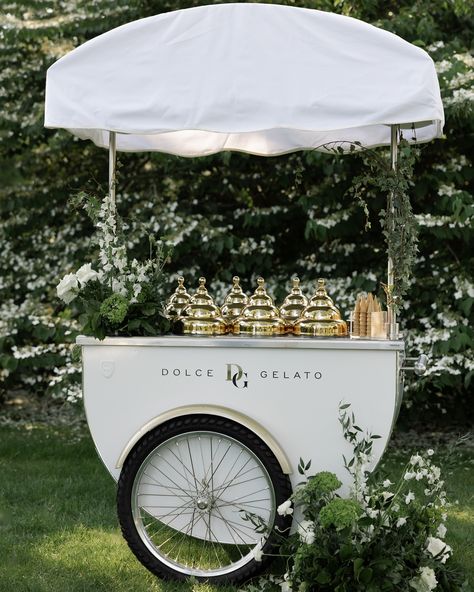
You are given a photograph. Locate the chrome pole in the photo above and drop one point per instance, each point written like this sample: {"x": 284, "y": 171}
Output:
{"x": 112, "y": 164}
{"x": 392, "y": 317}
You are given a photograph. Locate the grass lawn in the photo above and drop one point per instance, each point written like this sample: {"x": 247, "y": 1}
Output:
{"x": 59, "y": 532}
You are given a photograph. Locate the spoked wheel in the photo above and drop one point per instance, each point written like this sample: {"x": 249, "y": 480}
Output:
{"x": 184, "y": 494}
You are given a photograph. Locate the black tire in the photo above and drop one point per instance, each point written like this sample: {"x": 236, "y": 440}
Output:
{"x": 198, "y": 506}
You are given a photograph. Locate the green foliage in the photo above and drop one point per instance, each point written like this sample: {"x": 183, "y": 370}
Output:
{"x": 381, "y": 537}
{"x": 121, "y": 297}
{"x": 232, "y": 213}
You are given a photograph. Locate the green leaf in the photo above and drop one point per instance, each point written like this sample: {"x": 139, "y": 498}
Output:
{"x": 323, "y": 577}
{"x": 365, "y": 575}
{"x": 358, "y": 564}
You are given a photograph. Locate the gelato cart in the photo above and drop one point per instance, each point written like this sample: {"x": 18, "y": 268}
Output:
{"x": 201, "y": 431}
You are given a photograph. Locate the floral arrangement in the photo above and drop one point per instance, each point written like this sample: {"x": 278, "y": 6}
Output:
{"x": 383, "y": 537}
{"x": 121, "y": 296}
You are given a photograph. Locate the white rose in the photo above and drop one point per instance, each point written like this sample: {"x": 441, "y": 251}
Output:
{"x": 436, "y": 546}
{"x": 285, "y": 508}
{"x": 67, "y": 288}
{"x": 85, "y": 273}
{"x": 426, "y": 581}
{"x": 427, "y": 576}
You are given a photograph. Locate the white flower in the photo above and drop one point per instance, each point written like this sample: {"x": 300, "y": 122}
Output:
{"x": 441, "y": 532}
{"x": 387, "y": 483}
{"x": 372, "y": 513}
{"x": 67, "y": 288}
{"x": 257, "y": 552}
{"x": 285, "y": 587}
{"x": 387, "y": 495}
{"x": 408, "y": 476}
{"x": 306, "y": 532}
{"x": 285, "y": 508}
{"x": 395, "y": 507}
{"x": 85, "y": 273}
{"x": 426, "y": 581}
{"x": 438, "y": 548}
{"x": 401, "y": 521}
{"x": 430, "y": 452}
{"x": 416, "y": 459}
{"x": 444, "y": 516}
{"x": 409, "y": 497}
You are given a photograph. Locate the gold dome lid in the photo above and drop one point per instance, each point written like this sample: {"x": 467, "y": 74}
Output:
{"x": 294, "y": 303}
{"x": 235, "y": 301}
{"x": 179, "y": 300}
{"x": 260, "y": 316}
{"x": 201, "y": 316}
{"x": 320, "y": 318}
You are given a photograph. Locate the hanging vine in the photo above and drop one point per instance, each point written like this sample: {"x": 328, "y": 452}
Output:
{"x": 399, "y": 226}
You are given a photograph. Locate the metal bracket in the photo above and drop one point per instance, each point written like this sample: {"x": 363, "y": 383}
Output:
{"x": 420, "y": 365}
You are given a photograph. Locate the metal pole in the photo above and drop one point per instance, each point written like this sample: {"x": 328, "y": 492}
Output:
{"x": 112, "y": 163}
{"x": 392, "y": 317}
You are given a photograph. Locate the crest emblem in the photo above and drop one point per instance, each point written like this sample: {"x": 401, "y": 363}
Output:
{"x": 108, "y": 368}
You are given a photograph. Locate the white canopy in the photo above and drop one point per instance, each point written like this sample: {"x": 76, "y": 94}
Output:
{"x": 259, "y": 78}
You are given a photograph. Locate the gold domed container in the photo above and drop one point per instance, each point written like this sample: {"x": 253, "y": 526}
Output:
{"x": 201, "y": 316}
{"x": 320, "y": 318}
{"x": 260, "y": 316}
{"x": 234, "y": 302}
{"x": 178, "y": 301}
{"x": 294, "y": 304}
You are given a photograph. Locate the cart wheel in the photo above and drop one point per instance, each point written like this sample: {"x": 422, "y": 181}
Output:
{"x": 184, "y": 492}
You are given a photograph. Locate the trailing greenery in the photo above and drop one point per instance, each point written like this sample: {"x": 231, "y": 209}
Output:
{"x": 232, "y": 213}
{"x": 397, "y": 219}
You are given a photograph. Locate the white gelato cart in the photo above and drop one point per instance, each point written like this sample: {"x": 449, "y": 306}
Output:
{"x": 200, "y": 431}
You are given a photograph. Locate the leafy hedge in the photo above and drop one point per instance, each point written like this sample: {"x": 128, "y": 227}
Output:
{"x": 230, "y": 213}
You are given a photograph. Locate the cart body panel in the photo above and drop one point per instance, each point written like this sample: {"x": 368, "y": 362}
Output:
{"x": 287, "y": 390}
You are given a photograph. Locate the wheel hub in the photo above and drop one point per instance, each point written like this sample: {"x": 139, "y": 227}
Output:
{"x": 203, "y": 502}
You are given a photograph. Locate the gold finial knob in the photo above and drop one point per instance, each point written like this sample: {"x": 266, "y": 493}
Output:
{"x": 294, "y": 303}
{"x": 235, "y": 301}
{"x": 178, "y": 301}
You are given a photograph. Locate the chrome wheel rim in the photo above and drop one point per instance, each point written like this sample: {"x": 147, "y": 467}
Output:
{"x": 189, "y": 501}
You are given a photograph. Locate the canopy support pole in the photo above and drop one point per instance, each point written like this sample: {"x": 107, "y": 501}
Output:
{"x": 392, "y": 316}
{"x": 112, "y": 164}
